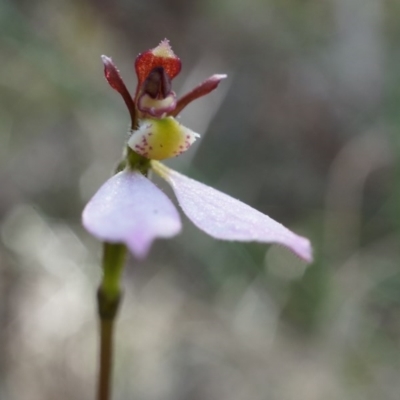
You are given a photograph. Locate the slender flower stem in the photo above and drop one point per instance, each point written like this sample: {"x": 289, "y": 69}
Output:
{"x": 106, "y": 352}
{"x": 108, "y": 300}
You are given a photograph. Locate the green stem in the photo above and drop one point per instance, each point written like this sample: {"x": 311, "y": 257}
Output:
{"x": 108, "y": 300}
{"x": 137, "y": 162}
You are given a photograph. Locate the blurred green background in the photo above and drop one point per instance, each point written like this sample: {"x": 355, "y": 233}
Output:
{"x": 306, "y": 129}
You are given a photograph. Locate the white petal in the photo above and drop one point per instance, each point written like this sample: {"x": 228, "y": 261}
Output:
{"x": 224, "y": 217}
{"x": 130, "y": 209}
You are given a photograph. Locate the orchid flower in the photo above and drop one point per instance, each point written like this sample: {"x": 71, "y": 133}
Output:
{"x": 131, "y": 210}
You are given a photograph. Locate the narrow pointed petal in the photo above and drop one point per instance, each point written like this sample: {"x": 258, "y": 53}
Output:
{"x": 130, "y": 209}
{"x": 114, "y": 79}
{"x": 201, "y": 90}
{"x": 224, "y": 217}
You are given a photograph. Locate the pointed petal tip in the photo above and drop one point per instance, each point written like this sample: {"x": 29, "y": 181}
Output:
{"x": 223, "y": 217}
{"x": 112, "y": 75}
{"x": 109, "y": 65}
{"x": 139, "y": 246}
{"x": 130, "y": 209}
{"x": 219, "y": 77}
{"x": 302, "y": 248}
{"x": 105, "y": 59}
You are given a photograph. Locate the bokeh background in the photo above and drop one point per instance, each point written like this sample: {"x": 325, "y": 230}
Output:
{"x": 306, "y": 129}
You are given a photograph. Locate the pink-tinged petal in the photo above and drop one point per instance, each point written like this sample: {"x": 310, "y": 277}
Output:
{"x": 130, "y": 209}
{"x": 224, "y": 217}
